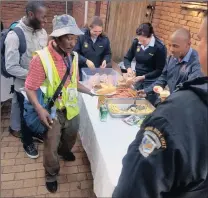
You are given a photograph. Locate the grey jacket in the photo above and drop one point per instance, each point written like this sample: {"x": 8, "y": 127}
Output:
{"x": 35, "y": 40}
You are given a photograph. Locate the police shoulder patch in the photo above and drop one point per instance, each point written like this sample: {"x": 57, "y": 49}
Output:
{"x": 152, "y": 139}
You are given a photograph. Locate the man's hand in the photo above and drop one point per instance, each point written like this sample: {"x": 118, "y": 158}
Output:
{"x": 103, "y": 64}
{"x": 130, "y": 71}
{"x": 44, "y": 117}
{"x": 90, "y": 64}
{"x": 142, "y": 94}
{"x": 139, "y": 79}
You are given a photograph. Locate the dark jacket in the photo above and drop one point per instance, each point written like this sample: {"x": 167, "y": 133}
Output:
{"x": 175, "y": 73}
{"x": 149, "y": 62}
{"x": 96, "y": 52}
{"x": 177, "y": 167}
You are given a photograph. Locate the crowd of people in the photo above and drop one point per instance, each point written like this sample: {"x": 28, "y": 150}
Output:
{"x": 169, "y": 157}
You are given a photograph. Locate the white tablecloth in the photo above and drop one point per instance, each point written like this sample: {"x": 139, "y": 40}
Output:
{"x": 5, "y": 88}
{"x": 105, "y": 143}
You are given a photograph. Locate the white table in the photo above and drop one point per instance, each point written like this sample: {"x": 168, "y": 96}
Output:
{"x": 105, "y": 143}
{"x": 5, "y": 88}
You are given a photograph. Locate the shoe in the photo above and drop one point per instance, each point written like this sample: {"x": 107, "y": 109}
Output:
{"x": 68, "y": 157}
{"x": 38, "y": 137}
{"x": 16, "y": 134}
{"x": 31, "y": 151}
{"x": 52, "y": 186}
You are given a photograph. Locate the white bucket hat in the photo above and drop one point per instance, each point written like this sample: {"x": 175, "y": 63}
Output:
{"x": 65, "y": 24}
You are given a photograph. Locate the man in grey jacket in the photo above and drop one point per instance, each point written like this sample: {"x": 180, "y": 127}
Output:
{"x": 36, "y": 38}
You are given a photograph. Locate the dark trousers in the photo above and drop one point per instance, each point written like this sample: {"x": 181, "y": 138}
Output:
{"x": 26, "y": 132}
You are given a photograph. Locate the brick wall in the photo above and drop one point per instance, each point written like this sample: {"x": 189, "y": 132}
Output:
{"x": 12, "y": 11}
{"x": 169, "y": 16}
{"x": 79, "y": 8}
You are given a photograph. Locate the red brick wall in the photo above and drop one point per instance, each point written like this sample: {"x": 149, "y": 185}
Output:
{"x": 79, "y": 9}
{"x": 12, "y": 11}
{"x": 169, "y": 16}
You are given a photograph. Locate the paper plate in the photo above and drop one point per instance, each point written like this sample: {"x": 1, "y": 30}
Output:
{"x": 110, "y": 94}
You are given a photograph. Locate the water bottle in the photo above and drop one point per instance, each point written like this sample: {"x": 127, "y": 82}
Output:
{"x": 53, "y": 113}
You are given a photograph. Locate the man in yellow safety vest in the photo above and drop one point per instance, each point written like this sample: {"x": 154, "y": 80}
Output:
{"x": 47, "y": 69}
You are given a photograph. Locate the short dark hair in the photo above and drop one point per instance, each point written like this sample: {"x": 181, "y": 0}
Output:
{"x": 32, "y": 6}
{"x": 145, "y": 29}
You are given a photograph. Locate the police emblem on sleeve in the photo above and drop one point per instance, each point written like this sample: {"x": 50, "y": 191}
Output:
{"x": 152, "y": 139}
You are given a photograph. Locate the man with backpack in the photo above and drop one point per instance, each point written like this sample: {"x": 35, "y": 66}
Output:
{"x": 25, "y": 38}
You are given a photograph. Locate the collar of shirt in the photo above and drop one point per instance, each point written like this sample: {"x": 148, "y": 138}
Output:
{"x": 186, "y": 58}
{"x": 151, "y": 44}
{"x": 94, "y": 39}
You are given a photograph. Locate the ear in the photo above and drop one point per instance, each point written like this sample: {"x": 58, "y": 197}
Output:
{"x": 30, "y": 14}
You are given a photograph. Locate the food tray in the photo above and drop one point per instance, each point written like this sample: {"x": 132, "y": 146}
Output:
{"x": 125, "y": 103}
{"x": 87, "y": 73}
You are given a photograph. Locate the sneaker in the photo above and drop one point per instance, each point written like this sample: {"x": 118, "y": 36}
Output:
{"x": 31, "y": 151}
{"x": 68, "y": 157}
{"x": 38, "y": 137}
{"x": 16, "y": 134}
{"x": 52, "y": 186}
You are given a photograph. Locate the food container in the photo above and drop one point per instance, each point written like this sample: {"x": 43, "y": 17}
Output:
{"x": 97, "y": 75}
{"x": 124, "y": 104}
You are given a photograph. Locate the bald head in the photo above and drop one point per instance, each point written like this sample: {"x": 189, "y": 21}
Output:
{"x": 202, "y": 47}
{"x": 182, "y": 34}
{"x": 179, "y": 44}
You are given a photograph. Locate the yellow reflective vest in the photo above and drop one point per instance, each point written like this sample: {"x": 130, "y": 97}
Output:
{"x": 69, "y": 98}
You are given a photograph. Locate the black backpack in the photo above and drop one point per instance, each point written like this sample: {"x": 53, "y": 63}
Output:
{"x": 22, "y": 46}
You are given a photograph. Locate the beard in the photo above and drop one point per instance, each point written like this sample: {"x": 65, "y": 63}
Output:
{"x": 36, "y": 24}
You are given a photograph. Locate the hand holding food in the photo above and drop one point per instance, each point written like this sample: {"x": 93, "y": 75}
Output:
{"x": 90, "y": 64}
{"x": 103, "y": 64}
{"x": 139, "y": 78}
{"x": 157, "y": 89}
{"x": 142, "y": 94}
{"x": 164, "y": 94}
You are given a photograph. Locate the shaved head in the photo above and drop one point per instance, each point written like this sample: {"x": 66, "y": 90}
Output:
{"x": 179, "y": 43}
{"x": 202, "y": 48}
{"x": 182, "y": 34}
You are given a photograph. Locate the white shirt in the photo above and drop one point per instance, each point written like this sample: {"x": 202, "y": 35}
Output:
{"x": 151, "y": 44}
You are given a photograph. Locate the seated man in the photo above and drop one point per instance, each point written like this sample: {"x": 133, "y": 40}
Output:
{"x": 181, "y": 65}
{"x": 47, "y": 69}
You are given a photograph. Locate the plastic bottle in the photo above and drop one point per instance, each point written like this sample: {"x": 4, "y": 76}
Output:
{"x": 53, "y": 113}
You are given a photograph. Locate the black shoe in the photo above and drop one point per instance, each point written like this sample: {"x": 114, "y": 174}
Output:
{"x": 31, "y": 151}
{"x": 38, "y": 137}
{"x": 68, "y": 157}
{"x": 16, "y": 134}
{"x": 52, "y": 186}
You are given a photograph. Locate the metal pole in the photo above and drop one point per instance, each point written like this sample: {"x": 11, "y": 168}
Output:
{"x": 66, "y": 7}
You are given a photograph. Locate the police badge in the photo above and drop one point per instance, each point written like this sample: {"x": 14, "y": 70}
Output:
{"x": 85, "y": 44}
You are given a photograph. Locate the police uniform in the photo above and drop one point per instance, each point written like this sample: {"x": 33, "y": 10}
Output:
{"x": 176, "y": 72}
{"x": 169, "y": 157}
{"x": 150, "y": 61}
{"x": 97, "y": 51}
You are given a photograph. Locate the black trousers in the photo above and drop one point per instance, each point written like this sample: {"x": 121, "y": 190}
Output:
{"x": 26, "y": 132}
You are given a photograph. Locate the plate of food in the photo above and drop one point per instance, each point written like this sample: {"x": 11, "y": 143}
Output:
{"x": 104, "y": 89}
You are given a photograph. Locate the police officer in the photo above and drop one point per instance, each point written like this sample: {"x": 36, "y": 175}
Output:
{"x": 93, "y": 47}
{"x": 169, "y": 157}
{"x": 150, "y": 54}
{"x": 182, "y": 65}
